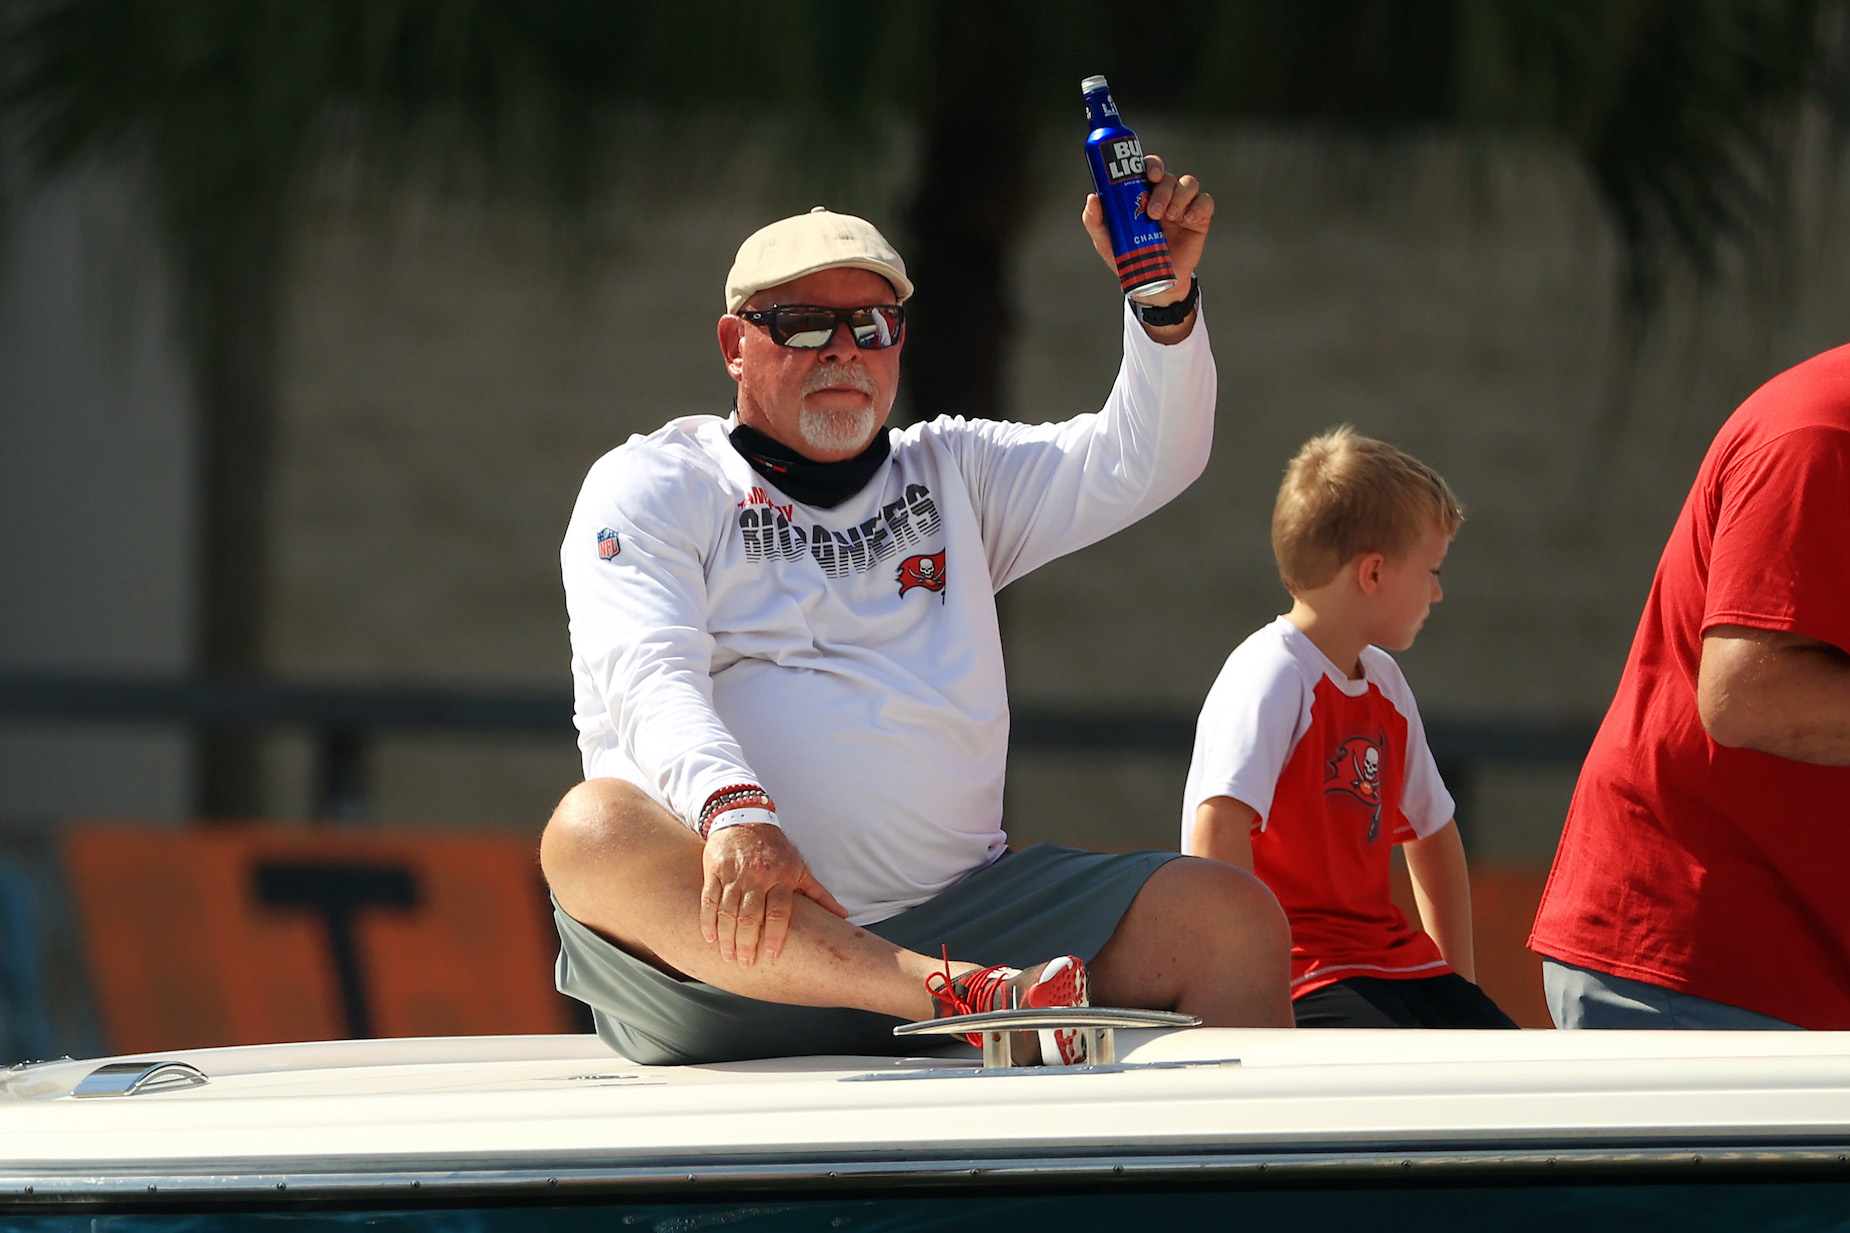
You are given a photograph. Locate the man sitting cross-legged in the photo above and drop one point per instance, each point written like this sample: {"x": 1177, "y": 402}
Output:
{"x": 791, "y": 702}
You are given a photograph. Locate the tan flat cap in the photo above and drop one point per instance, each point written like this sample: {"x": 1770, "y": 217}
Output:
{"x": 805, "y": 243}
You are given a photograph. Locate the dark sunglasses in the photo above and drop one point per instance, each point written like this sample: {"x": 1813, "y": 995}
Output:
{"x": 809, "y": 327}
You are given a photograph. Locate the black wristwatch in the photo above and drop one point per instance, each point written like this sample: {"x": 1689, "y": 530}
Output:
{"x": 1170, "y": 314}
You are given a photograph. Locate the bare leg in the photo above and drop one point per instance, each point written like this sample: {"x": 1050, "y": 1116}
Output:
{"x": 1202, "y": 938}
{"x": 621, "y": 864}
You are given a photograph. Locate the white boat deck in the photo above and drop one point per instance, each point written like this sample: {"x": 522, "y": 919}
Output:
{"x": 532, "y": 1111}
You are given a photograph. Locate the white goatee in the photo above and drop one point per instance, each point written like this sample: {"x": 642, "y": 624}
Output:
{"x": 835, "y": 431}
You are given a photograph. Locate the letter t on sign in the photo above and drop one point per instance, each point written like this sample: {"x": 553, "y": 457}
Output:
{"x": 339, "y": 893}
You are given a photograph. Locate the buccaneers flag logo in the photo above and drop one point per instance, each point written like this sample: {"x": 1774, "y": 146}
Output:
{"x": 1355, "y": 770}
{"x": 922, "y": 571}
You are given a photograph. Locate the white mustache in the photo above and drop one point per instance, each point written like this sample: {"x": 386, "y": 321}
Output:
{"x": 823, "y": 376}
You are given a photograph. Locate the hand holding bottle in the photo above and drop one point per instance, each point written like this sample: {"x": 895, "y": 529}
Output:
{"x": 1180, "y": 207}
{"x": 1147, "y": 225}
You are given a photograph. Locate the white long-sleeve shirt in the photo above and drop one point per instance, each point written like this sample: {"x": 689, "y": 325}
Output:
{"x": 849, "y": 659}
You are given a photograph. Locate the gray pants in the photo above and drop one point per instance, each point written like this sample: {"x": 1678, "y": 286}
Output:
{"x": 1582, "y": 998}
{"x": 1025, "y": 908}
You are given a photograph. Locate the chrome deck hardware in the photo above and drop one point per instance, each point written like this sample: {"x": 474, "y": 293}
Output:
{"x": 139, "y": 1078}
{"x": 1098, "y": 1023}
{"x": 37, "y": 1062}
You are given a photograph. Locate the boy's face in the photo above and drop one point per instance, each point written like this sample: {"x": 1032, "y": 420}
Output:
{"x": 1409, "y": 587}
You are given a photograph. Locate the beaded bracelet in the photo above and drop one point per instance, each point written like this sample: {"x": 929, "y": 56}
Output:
{"x": 737, "y": 797}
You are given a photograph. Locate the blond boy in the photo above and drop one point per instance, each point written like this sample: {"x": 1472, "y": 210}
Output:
{"x": 1310, "y": 762}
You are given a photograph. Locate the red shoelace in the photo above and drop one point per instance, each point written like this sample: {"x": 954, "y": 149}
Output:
{"x": 969, "y": 994}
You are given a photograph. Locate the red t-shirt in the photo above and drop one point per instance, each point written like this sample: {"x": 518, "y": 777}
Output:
{"x": 1338, "y": 772}
{"x": 1720, "y": 872}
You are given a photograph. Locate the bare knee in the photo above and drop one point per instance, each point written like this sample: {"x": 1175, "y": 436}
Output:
{"x": 604, "y": 829}
{"x": 1203, "y": 938}
{"x": 1207, "y": 914}
{"x": 1230, "y": 904}
{"x": 586, "y": 819}
{"x": 1239, "y": 944}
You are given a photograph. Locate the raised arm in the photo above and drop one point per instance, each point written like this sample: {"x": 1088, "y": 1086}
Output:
{"x": 1044, "y": 490}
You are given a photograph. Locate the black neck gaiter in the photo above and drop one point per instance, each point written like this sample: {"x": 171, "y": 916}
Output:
{"x": 823, "y": 484}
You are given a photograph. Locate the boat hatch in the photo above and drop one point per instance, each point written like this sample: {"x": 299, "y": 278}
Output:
{"x": 139, "y": 1078}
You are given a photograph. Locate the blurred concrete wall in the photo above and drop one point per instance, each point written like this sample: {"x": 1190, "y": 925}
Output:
{"x": 447, "y": 390}
{"x": 451, "y": 371}
{"x": 95, "y": 546}
{"x": 96, "y": 469}
{"x": 1456, "y": 300}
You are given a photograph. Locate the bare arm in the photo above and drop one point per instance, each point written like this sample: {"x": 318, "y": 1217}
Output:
{"x": 1442, "y": 892}
{"x": 1224, "y": 832}
{"x": 1776, "y": 693}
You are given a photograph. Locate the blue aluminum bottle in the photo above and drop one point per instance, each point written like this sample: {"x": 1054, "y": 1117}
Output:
{"x": 1116, "y": 158}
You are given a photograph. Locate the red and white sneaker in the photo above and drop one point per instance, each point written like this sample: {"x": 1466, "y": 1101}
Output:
{"x": 1061, "y": 983}
{"x": 972, "y": 993}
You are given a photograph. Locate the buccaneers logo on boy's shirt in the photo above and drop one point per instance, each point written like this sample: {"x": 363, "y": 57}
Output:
{"x": 922, "y": 571}
{"x": 1355, "y": 770}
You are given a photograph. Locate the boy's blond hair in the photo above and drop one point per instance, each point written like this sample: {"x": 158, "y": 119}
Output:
{"x": 1346, "y": 494}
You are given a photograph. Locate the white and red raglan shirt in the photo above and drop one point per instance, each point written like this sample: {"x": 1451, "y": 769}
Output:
{"x": 848, "y": 659}
{"x": 1338, "y": 772}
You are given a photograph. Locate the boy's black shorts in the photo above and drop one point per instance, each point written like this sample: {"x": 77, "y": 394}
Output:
{"x": 1448, "y": 1001}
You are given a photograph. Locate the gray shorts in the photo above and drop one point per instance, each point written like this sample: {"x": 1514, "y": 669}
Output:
{"x": 1026, "y": 908}
{"x": 1582, "y": 998}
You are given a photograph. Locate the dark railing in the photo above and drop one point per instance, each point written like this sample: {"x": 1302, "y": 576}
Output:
{"x": 343, "y": 722}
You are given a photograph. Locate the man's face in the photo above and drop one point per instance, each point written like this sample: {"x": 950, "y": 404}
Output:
{"x": 825, "y": 404}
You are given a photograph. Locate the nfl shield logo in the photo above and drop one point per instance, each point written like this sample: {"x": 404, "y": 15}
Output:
{"x": 607, "y": 545}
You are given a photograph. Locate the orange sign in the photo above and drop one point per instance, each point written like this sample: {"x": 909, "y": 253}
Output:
{"x": 256, "y": 934}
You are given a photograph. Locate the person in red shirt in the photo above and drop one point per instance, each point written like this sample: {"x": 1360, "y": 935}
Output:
{"x": 1310, "y": 762}
{"x": 1703, "y": 876}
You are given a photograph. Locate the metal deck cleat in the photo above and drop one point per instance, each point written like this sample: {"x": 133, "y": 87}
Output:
{"x": 1099, "y": 1025}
